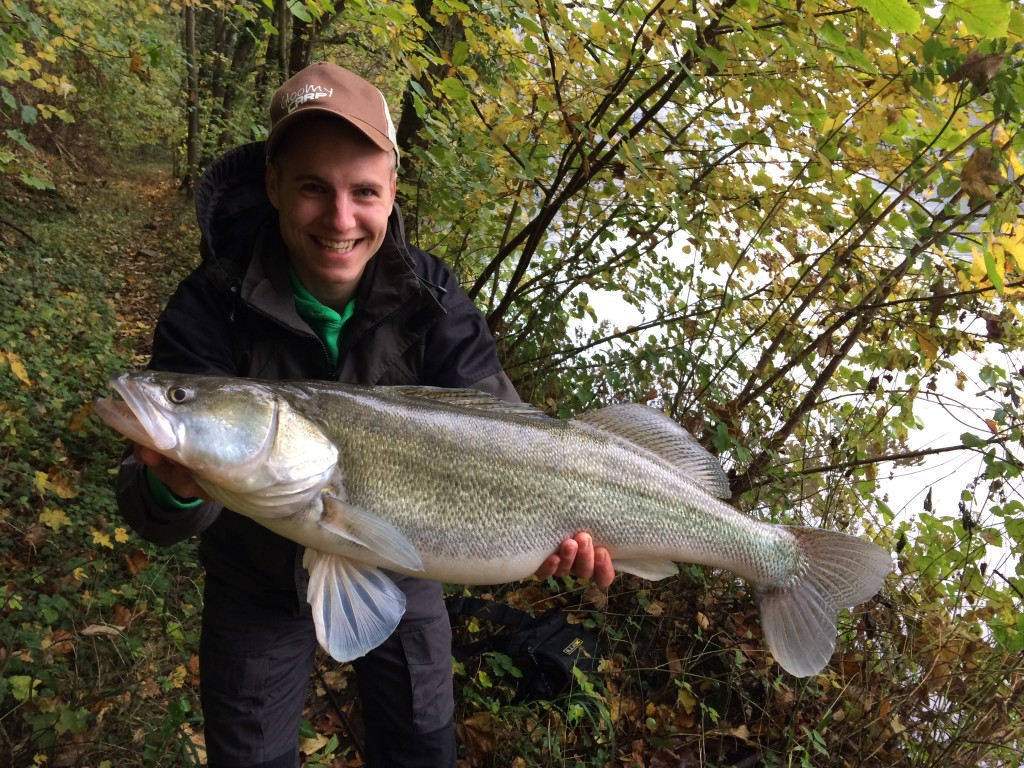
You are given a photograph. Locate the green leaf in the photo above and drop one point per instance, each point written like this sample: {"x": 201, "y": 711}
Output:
{"x": 895, "y": 15}
{"x": 460, "y": 52}
{"x": 984, "y": 18}
{"x": 299, "y": 11}
{"x": 22, "y": 686}
{"x": 454, "y": 89}
{"x": 35, "y": 182}
{"x": 971, "y": 440}
{"x": 993, "y": 271}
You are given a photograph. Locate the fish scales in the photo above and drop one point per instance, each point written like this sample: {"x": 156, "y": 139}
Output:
{"x": 529, "y": 487}
{"x": 457, "y": 486}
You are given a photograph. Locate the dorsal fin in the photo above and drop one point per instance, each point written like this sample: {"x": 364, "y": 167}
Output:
{"x": 655, "y": 431}
{"x": 470, "y": 398}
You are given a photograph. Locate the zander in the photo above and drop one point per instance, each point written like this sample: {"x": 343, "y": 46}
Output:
{"x": 457, "y": 486}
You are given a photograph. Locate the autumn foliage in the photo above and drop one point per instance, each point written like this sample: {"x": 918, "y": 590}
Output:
{"x": 795, "y": 226}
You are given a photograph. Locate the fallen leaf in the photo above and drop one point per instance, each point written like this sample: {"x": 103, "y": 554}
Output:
{"x": 655, "y": 608}
{"x": 77, "y": 423}
{"x": 741, "y": 732}
{"x": 55, "y": 519}
{"x": 122, "y": 616}
{"x": 17, "y": 367}
{"x": 136, "y": 561}
{"x": 94, "y": 630}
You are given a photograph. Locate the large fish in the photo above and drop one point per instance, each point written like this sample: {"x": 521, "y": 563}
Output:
{"x": 457, "y": 486}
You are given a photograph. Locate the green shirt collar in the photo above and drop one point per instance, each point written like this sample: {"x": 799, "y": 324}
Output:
{"x": 325, "y": 322}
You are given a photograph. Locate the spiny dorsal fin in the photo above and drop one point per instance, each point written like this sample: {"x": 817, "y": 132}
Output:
{"x": 655, "y": 431}
{"x": 470, "y": 398}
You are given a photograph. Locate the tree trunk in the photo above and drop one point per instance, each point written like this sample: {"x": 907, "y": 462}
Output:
{"x": 410, "y": 125}
{"x": 242, "y": 58}
{"x": 192, "y": 141}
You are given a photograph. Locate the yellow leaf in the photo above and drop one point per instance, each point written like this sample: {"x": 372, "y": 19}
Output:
{"x": 58, "y": 484}
{"x": 1013, "y": 245}
{"x": 40, "y": 482}
{"x": 577, "y": 50}
{"x": 929, "y": 348}
{"x": 177, "y": 677}
{"x": 102, "y": 539}
{"x": 686, "y": 699}
{"x": 17, "y": 367}
{"x": 120, "y": 535}
{"x": 979, "y": 270}
{"x": 77, "y": 423}
{"x": 54, "y": 518}
{"x": 597, "y": 31}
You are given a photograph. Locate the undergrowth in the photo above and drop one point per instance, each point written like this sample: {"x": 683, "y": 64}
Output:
{"x": 99, "y": 631}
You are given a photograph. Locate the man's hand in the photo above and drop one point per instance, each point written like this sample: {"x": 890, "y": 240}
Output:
{"x": 176, "y": 477}
{"x": 582, "y": 559}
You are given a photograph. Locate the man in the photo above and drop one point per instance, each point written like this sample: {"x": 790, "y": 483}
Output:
{"x": 306, "y": 274}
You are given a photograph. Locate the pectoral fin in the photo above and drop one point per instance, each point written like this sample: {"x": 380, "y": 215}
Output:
{"x": 646, "y": 569}
{"x": 369, "y": 530}
{"x": 355, "y": 607}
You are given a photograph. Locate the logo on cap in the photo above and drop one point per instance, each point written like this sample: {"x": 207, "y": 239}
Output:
{"x": 296, "y": 99}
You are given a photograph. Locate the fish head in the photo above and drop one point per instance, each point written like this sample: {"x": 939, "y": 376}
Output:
{"x": 240, "y": 438}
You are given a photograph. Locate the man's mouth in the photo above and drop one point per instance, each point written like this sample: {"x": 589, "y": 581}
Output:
{"x": 336, "y": 246}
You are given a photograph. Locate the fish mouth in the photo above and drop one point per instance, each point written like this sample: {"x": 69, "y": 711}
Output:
{"x": 136, "y": 416}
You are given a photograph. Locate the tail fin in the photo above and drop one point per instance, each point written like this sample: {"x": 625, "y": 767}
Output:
{"x": 799, "y": 622}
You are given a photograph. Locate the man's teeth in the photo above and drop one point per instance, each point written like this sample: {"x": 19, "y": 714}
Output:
{"x": 339, "y": 246}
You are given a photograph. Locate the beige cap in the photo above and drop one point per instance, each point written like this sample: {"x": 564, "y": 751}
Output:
{"x": 325, "y": 88}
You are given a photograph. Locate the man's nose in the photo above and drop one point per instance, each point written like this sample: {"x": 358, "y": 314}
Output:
{"x": 341, "y": 213}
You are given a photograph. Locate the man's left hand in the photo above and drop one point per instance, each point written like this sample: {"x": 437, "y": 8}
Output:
{"x": 578, "y": 556}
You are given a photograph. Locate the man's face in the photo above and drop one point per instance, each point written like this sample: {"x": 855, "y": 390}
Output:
{"x": 333, "y": 191}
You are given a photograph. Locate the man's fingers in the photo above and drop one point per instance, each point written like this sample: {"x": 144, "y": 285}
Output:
{"x": 578, "y": 556}
{"x": 583, "y": 564}
{"x": 548, "y": 567}
{"x": 567, "y": 555}
{"x": 604, "y": 572}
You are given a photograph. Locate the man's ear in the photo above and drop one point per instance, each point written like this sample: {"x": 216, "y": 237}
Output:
{"x": 271, "y": 183}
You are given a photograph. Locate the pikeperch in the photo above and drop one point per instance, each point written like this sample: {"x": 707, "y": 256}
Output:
{"x": 457, "y": 486}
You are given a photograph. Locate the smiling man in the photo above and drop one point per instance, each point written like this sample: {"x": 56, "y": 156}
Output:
{"x": 306, "y": 274}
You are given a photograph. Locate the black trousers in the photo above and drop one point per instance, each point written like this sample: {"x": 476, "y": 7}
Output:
{"x": 256, "y": 657}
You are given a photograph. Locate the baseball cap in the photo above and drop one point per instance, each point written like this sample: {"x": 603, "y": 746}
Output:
{"x": 327, "y": 89}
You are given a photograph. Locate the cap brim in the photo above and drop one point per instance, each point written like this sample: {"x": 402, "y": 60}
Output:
{"x": 288, "y": 122}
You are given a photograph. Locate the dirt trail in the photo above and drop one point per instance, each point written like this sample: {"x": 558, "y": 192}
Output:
{"x": 159, "y": 252}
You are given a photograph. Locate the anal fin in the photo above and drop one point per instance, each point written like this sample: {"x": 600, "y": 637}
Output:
{"x": 653, "y": 569}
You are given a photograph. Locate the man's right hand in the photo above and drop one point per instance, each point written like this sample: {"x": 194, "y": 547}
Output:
{"x": 177, "y": 478}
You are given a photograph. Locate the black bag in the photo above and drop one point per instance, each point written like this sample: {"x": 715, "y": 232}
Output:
{"x": 545, "y": 648}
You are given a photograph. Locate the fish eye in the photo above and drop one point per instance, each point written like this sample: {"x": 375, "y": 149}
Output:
{"x": 179, "y": 394}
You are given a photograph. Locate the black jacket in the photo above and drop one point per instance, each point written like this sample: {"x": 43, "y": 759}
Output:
{"x": 235, "y": 316}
